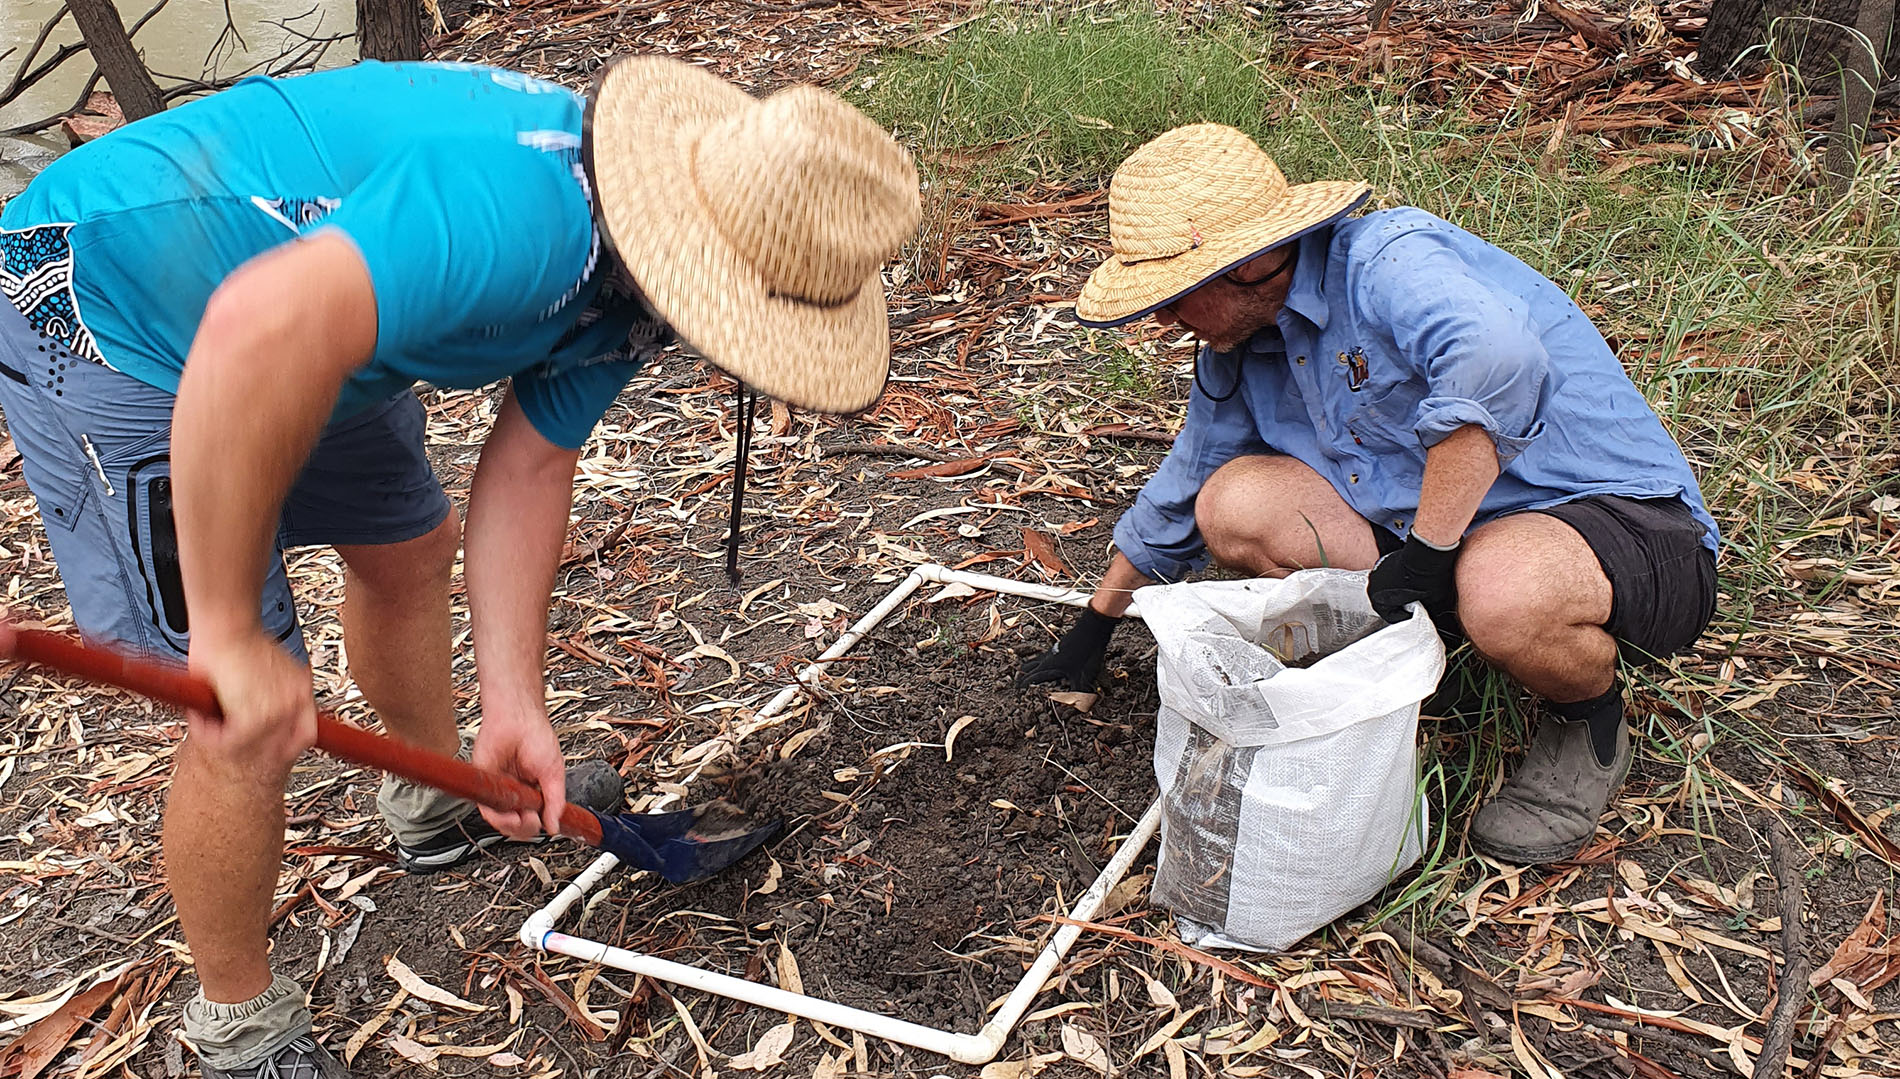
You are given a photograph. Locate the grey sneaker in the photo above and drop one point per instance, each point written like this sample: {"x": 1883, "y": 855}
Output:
{"x": 593, "y": 784}
{"x": 1550, "y": 808}
{"x": 301, "y": 1058}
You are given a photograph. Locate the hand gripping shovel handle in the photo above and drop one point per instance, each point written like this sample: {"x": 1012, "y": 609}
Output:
{"x": 335, "y": 737}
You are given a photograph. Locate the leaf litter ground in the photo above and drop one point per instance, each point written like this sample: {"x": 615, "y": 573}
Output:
{"x": 1000, "y": 446}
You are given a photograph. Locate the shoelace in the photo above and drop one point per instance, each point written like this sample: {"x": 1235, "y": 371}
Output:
{"x": 745, "y": 403}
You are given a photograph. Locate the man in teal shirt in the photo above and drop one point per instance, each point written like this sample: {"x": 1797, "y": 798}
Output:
{"x": 215, "y": 317}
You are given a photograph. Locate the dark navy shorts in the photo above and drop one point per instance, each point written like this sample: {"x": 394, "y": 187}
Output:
{"x": 1662, "y": 577}
{"x": 96, "y": 450}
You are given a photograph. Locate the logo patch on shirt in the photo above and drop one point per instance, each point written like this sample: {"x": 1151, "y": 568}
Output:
{"x": 1358, "y": 370}
{"x": 297, "y": 214}
{"x": 36, "y": 277}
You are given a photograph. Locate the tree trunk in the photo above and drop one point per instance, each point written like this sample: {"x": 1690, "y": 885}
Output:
{"x": 1814, "y": 37}
{"x": 1861, "y": 76}
{"x": 389, "y": 29}
{"x": 118, "y": 61}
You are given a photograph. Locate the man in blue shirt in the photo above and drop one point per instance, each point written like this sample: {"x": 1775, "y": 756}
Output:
{"x": 1391, "y": 393}
{"x": 215, "y": 317}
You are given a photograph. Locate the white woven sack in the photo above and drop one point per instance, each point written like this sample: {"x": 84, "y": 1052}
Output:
{"x": 1290, "y": 792}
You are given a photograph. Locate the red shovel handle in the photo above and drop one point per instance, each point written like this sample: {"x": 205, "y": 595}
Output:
{"x": 173, "y": 686}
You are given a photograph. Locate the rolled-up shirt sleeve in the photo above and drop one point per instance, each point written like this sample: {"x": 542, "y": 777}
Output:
{"x": 1158, "y": 534}
{"x": 1483, "y": 360}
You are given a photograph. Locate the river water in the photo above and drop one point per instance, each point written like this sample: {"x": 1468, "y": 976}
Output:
{"x": 181, "y": 40}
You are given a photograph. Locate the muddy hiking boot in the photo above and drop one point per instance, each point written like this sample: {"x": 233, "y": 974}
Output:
{"x": 300, "y": 1058}
{"x": 1550, "y": 808}
{"x": 593, "y": 784}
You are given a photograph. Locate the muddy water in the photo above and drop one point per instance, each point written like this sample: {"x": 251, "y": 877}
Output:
{"x": 181, "y": 40}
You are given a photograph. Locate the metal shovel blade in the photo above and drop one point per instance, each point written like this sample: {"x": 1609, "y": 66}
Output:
{"x": 687, "y": 844}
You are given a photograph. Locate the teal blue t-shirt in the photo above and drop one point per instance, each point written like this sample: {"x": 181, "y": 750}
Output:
{"x": 461, "y": 186}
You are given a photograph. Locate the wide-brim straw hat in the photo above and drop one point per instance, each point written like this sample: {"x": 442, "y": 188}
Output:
{"x": 757, "y": 228}
{"x": 1191, "y": 205}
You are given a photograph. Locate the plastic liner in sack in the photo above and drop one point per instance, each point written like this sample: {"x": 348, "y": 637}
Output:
{"x": 1286, "y": 752}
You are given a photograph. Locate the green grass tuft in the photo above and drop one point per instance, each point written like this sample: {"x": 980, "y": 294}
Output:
{"x": 1018, "y": 95}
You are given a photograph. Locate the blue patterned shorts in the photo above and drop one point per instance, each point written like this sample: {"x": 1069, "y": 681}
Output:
{"x": 95, "y": 446}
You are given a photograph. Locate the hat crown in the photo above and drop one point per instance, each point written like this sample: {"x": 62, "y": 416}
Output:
{"x": 809, "y": 191}
{"x": 1189, "y": 186}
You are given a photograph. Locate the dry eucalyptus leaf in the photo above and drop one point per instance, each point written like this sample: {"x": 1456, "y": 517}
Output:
{"x": 1159, "y": 995}
{"x": 797, "y": 742}
{"x": 769, "y": 1052}
{"x": 369, "y": 1028}
{"x": 1081, "y": 1046}
{"x": 1018, "y": 1069}
{"x": 950, "y": 736}
{"x": 422, "y": 990}
{"x": 772, "y": 876}
{"x": 413, "y": 1051}
{"x": 788, "y": 978}
{"x": 1081, "y": 702}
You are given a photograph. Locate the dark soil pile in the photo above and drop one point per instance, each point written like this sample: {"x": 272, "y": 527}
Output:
{"x": 910, "y": 883}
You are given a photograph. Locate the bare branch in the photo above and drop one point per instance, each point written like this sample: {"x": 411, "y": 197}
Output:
{"x": 24, "y": 80}
{"x": 303, "y": 59}
{"x": 230, "y": 32}
{"x": 46, "y": 31}
{"x": 42, "y": 124}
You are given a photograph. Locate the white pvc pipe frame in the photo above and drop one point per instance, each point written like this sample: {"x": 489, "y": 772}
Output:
{"x": 538, "y": 931}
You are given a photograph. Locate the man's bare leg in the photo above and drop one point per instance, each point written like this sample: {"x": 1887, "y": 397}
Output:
{"x": 1533, "y": 600}
{"x": 1271, "y": 515}
{"x": 224, "y": 846}
{"x": 396, "y": 625}
{"x": 224, "y": 819}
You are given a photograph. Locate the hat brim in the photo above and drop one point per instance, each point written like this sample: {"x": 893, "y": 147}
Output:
{"x": 643, "y": 118}
{"x": 1119, "y": 292}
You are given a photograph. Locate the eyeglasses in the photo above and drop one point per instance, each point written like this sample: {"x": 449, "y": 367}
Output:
{"x": 1277, "y": 270}
{"x": 1232, "y": 280}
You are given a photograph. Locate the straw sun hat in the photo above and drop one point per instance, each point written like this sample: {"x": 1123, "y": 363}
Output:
{"x": 1191, "y": 205}
{"x": 755, "y": 228}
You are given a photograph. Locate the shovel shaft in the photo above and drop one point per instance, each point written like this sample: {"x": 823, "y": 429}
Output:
{"x": 173, "y": 686}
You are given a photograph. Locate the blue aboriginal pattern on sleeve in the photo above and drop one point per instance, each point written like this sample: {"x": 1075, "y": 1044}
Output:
{"x": 36, "y": 277}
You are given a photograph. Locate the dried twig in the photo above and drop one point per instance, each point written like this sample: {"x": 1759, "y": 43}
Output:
{"x": 1585, "y": 27}
{"x": 1234, "y": 971}
{"x": 1313, "y": 1004}
{"x": 885, "y": 449}
{"x": 1791, "y": 992}
{"x": 1679, "y": 1042}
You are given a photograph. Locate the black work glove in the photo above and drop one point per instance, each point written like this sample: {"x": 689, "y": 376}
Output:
{"x": 1417, "y": 572}
{"x": 1076, "y": 660}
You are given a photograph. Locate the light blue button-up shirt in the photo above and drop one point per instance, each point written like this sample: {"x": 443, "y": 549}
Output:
{"x": 1399, "y": 329}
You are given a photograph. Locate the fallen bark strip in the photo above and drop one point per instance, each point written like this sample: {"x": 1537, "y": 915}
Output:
{"x": 1316, "y": 1005}
{"x": 1719, "y": 1061}
{"x": 1791, "y": 989}
{"x": 1123, "y": 430}
{"x": 1479, "y": 989}
{"x": 1654, "y": 1021}
{"x": 1585, "y": 27}
{"x": 1196, "y": 955}
{"x": 884, "y": 449}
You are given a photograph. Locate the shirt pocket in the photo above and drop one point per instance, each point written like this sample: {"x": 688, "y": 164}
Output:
{"x": 1385, "y": 413}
